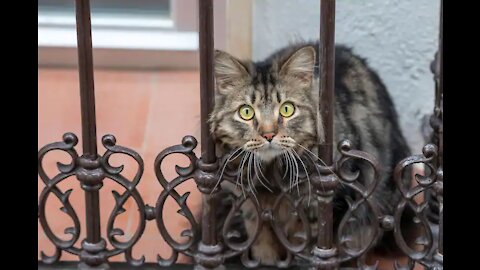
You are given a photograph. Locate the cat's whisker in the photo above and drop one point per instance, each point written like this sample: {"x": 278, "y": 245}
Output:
{"x": 284, "y": 164}
{"x": 260, "y": 168}
{"x": 298, "y": 173}
{"x": 255, "y": 164}
{"x": 240, "y": 174}
{"x": 328, "y": 167}
{"x": 291, "y": 172}
{"x": 287, "y": 164}
{"x": 316, "y": 168}
{"x": 290, "y": 169}
{"x": 239, "y": 153}
{"x": 324, "y": 164}
{"x": 239, "y": 170}
{"x": 249, "y": 180}
{"x": 249, "y": 174}
{"x": 295, "y": 182}
{"x": 225, "y": 165}
{"x": 306, "y": 173}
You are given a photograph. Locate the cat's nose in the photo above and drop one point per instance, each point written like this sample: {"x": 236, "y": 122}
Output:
{"x": 269, "y": 136}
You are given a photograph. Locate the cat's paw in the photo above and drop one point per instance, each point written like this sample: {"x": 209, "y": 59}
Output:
{"x": 266, "y": 254}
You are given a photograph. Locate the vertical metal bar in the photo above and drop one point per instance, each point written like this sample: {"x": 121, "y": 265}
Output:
{"x": 87, "y": 91}
{"x": 209, "y": 249}
{"x": 207, "y": 85}
{"x": 89, "y": 173}
{"x": 440, "y": 84}
{"x": 208, "y": 221}
{"x": 92, "y": 218}
{"x": 207, "y": 81}
{"x": 327, "y": 75}
{"x": 325, "y": 253}
{"x": 326, "y": 229}
{"x": 327, "y": 85}
{"x": 440, "y": 231}
{"x": 440, "y": 135}
{"x": 87, "y": 95}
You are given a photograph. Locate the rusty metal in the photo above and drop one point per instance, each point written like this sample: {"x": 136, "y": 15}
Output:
{"x": 206, "y": 177}
{"x": 211, "y": 244}
{"x": 207, "y": 80}
{"x": 408, "y": 193}
{"x": 66, "y": 171}
{"x": 326, "y": 183}
{"x": 184, "y": 173}
{"x": 364, "y": 198}
{"x": 327, "y": 76}
{"x": 90, "y": 169}
{"x": 85, "y": 70}
{"x": 439, "y": 191}
{"x": 438, "y": 131}
{"x": 299, "y": 246}
{"x": 91, "y": 174}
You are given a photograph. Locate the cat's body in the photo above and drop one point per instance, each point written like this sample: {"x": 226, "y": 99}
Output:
{"x": 288, "y": 80}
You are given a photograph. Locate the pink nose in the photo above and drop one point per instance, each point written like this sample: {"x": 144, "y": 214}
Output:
{"x": 269, "y": 136}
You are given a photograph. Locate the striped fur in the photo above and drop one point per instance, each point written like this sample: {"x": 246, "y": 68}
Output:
{"x": 364, "y": 113}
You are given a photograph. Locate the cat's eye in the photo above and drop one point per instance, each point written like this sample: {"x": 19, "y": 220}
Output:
{"x": 287, "y": 109}
{"x": 246, "y": 112}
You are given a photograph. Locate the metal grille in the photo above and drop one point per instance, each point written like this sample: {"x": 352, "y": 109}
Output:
{"x": 208, "y": 246}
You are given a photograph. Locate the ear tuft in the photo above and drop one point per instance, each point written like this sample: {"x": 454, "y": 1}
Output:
{"x": 300, "y": 65}
{"x": 229, "y": 72}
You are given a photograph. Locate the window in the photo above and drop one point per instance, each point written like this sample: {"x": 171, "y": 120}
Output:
{"x": 125, "y": 33}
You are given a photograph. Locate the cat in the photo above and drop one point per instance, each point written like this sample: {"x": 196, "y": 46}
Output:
{"x": 269, "y": 112}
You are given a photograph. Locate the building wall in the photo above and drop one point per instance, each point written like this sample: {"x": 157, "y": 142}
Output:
{"x": 398, "y": 38}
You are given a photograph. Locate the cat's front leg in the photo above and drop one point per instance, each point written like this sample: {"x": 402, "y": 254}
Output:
{"x": 266, "y": 248}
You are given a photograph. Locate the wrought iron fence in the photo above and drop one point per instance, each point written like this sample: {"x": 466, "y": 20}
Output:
{"x": 208, "y": 246}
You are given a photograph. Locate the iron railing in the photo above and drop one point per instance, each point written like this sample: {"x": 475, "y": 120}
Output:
{"x": 208, "y": 246}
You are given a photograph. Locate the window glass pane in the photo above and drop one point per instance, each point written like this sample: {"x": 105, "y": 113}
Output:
{"x": 124, "y": 7}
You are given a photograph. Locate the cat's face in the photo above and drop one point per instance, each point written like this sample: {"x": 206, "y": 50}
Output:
{"x": 267, "y": 108}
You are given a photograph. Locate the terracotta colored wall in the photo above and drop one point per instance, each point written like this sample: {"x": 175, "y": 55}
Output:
{"x": 147, "y": 112}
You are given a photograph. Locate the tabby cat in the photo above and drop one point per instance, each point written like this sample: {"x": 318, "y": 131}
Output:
{"x": 267, "y": 114}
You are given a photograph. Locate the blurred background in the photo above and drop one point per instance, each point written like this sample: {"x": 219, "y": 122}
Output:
{"x": 147, "y": 79}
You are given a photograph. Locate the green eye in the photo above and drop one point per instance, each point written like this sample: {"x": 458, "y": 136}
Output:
{"x": 287, "y": 109}
{"x": 246, "y": 112}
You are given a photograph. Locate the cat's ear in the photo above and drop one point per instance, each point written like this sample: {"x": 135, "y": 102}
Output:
{"x": 229, "y": 72}
{"x": 300, "y": 66}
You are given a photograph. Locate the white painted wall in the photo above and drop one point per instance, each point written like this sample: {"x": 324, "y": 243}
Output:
{"x": 398, "y": 38}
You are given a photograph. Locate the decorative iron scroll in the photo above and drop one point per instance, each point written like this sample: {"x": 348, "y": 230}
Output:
{"x": 66, "y": 170}
{"x": 184, "y": 173}
{"x": 433, "y": 179}
{"x": 265, "y": 216}
{"x": 302, "y": 252}
{"x": 211, "y": 244}
{"x": 91, "y": 174}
